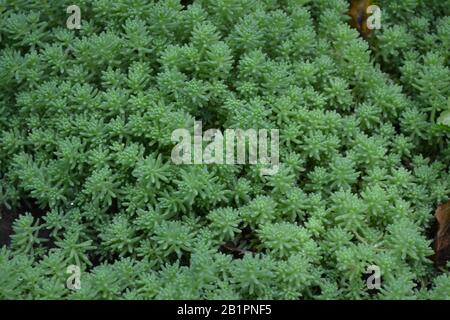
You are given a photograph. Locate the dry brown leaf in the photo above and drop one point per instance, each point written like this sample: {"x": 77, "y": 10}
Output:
{"x": 442, "y": 241}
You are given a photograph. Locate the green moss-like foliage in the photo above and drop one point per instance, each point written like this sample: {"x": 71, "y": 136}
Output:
{"x": 86, "y": 118}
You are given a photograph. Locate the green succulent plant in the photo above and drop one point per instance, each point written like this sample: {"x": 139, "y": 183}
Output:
{"x": 86, "y": 178}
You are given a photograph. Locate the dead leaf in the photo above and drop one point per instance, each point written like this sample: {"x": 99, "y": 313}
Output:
{"x": 442, "y": 241}
{"x": 358, "y": 14}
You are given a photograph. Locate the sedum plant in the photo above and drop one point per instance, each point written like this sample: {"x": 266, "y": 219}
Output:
{"x": 86, "y": 177}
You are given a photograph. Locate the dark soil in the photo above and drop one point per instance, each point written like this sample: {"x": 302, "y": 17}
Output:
{"x": 6, "y": 220}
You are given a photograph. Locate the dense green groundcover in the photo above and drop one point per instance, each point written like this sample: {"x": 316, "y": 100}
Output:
{"x": 86, "y": 118}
